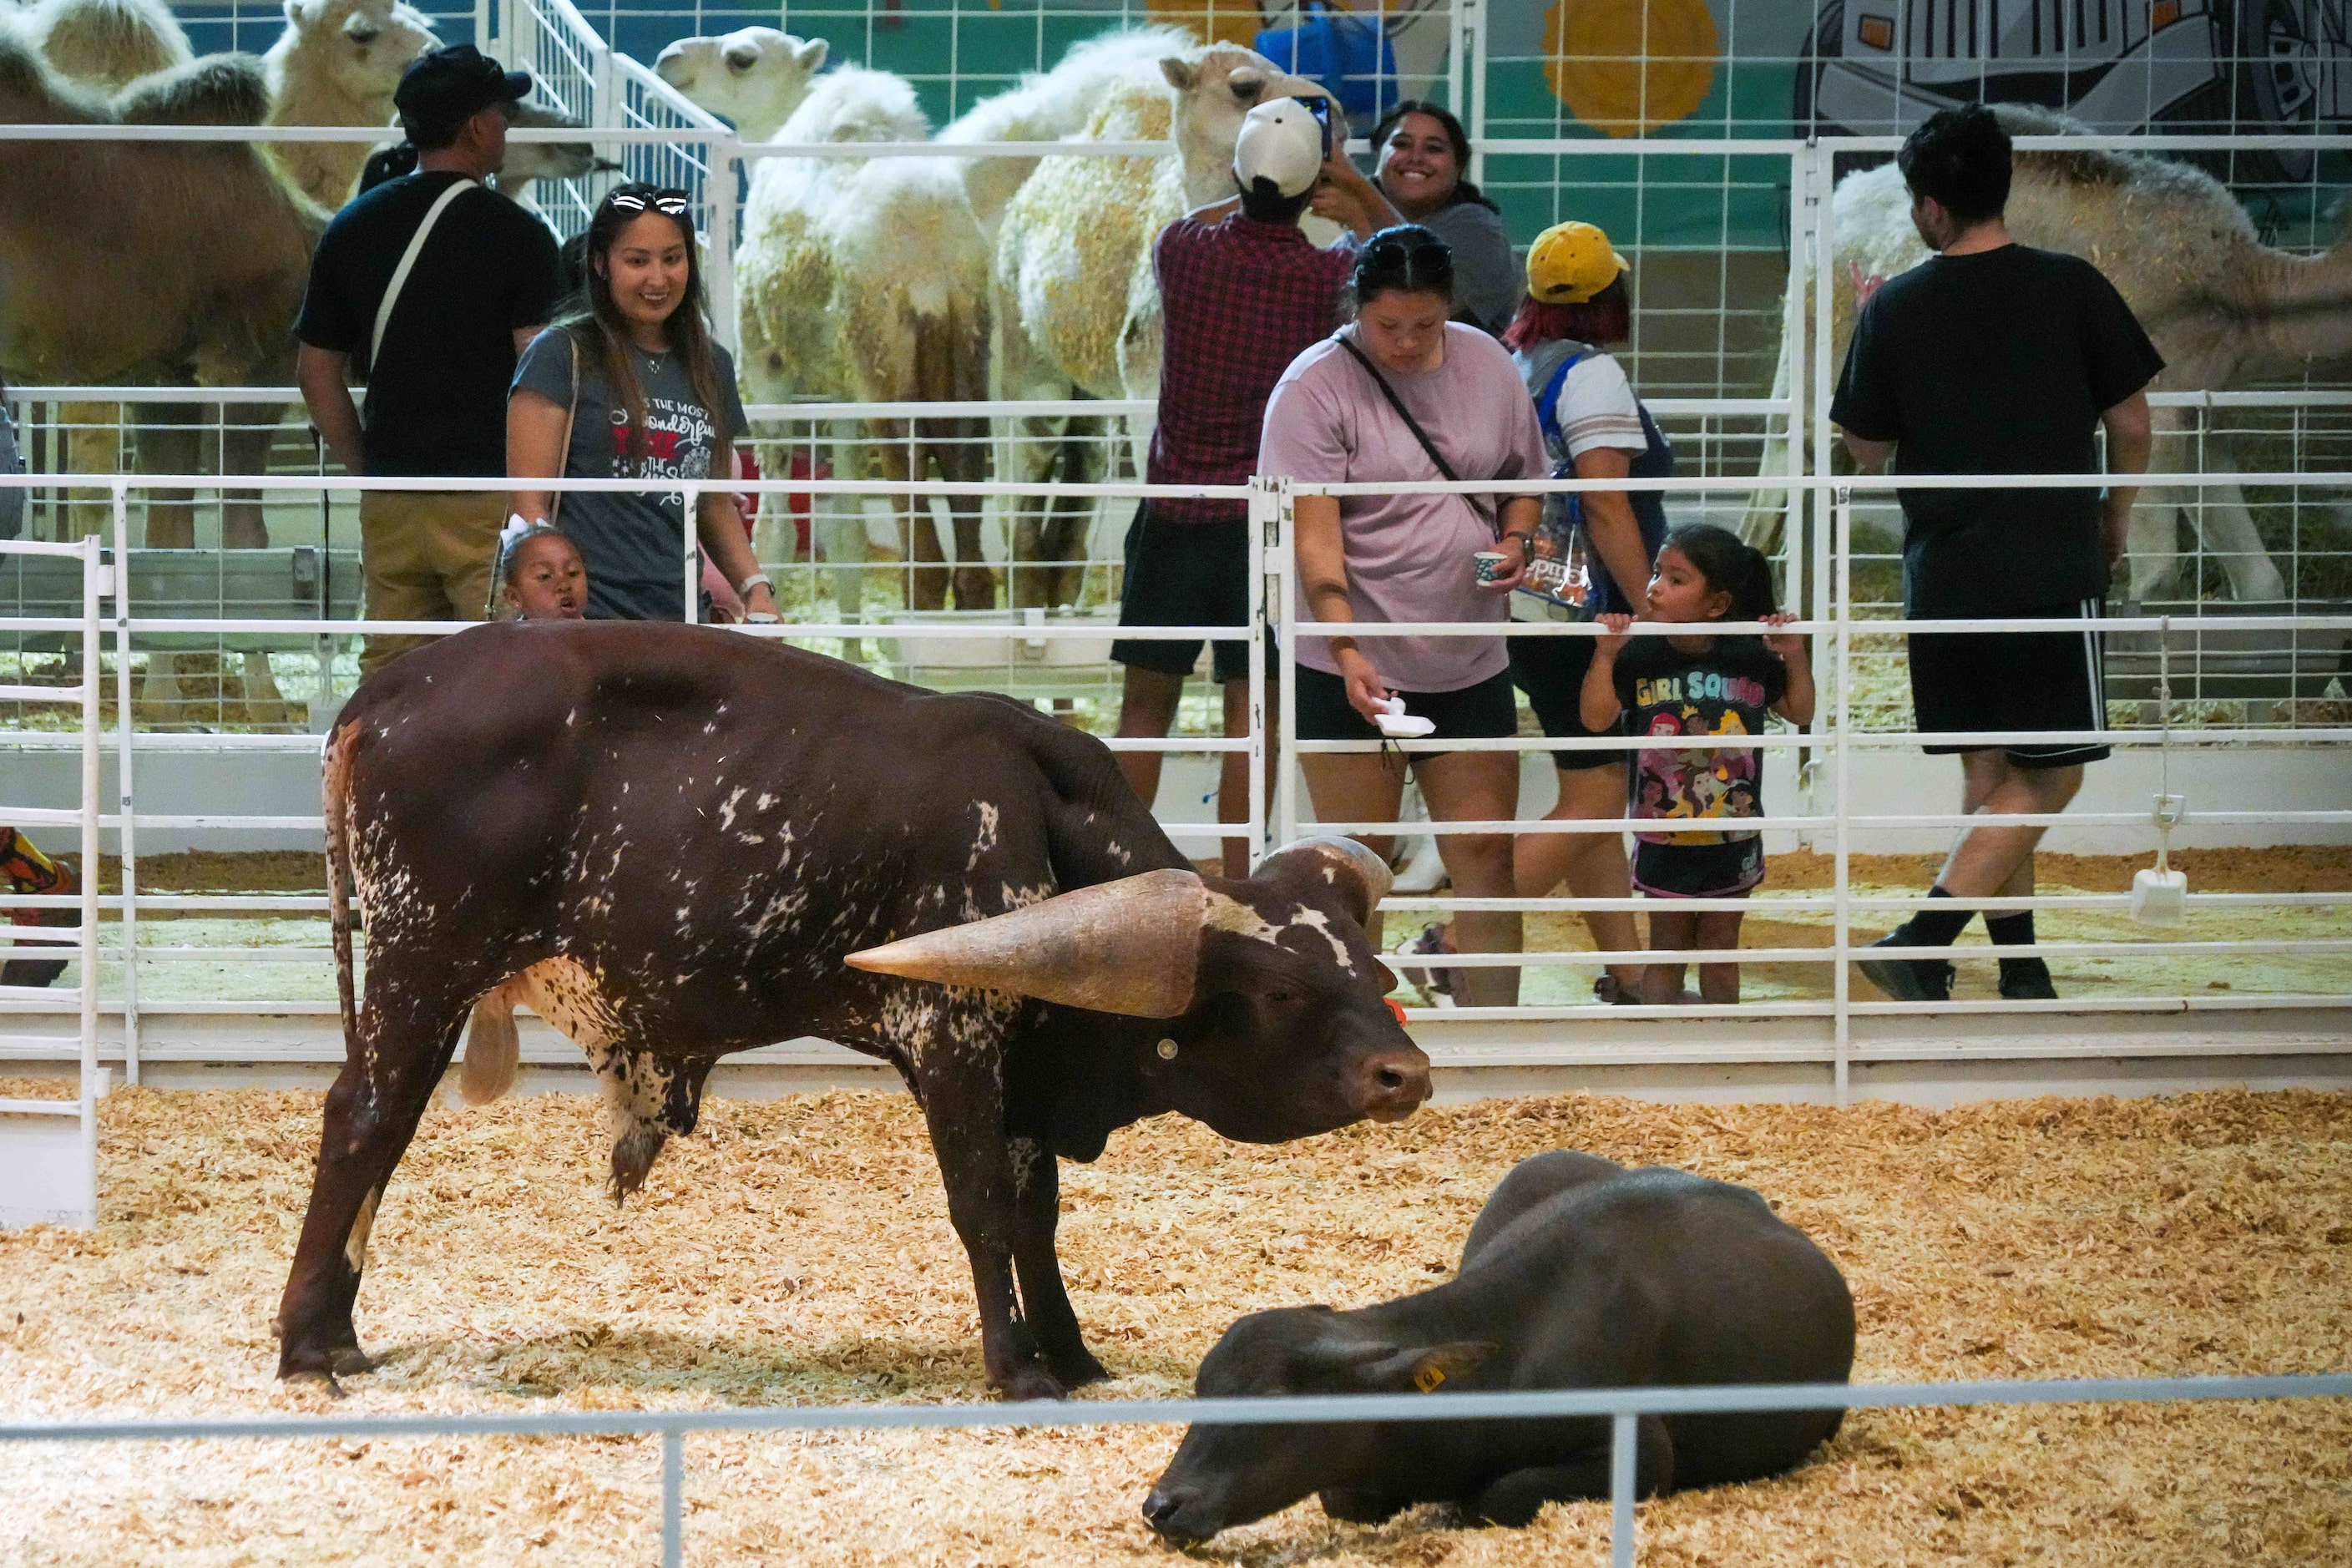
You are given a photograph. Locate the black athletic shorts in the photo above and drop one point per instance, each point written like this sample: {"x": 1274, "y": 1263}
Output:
{"x": 1552, "y": 670}
{"x": 1699, "y": 871}
{"x": 2014, "y": 680}
{"x": 1186, "y": 575}
{"x": 1482, "y": 713}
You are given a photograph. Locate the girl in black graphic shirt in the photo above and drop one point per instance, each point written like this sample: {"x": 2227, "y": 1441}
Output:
{"x": 1696, "y": 688}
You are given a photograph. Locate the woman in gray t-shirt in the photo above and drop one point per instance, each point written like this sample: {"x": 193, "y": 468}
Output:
{"x": 644, "y": 394}
{"x": 1411, "y": 557}
{"x": 1424, "y": 154}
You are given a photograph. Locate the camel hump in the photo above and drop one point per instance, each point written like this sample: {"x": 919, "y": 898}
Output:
{"x": 218, "y": 90}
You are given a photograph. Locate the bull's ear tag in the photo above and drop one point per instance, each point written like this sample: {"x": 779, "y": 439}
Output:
{"x": 1427, "y": 1377}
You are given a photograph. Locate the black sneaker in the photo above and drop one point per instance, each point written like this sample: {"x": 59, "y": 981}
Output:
{"x": 1908, "y": 979}
{"x": 2026, "y": 980}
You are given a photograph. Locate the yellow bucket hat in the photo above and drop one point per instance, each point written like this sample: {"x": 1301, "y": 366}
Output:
{"x": 1572, "y": 262}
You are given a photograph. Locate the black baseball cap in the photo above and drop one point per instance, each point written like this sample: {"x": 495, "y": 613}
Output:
{"x": 444, "y": 90}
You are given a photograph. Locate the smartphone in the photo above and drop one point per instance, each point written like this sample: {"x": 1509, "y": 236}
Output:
{"x": 1320, "y": 108}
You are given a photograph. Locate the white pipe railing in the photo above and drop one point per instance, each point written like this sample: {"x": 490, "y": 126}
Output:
{"x": 30, "y": 1192}
{"x": 1621, "y": 1407}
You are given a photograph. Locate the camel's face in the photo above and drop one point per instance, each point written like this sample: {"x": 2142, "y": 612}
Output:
{"x": 366, "y": 44}
{"x": 546, "y": 160}
{"x": 755, "y": 76}
{"x": 1215, "y": 87}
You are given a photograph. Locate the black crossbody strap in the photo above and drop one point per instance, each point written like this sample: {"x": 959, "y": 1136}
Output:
{"x": 1414, "y": 424}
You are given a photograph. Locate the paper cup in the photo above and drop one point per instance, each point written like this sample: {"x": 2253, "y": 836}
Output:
{"x": 1491, "y": 564}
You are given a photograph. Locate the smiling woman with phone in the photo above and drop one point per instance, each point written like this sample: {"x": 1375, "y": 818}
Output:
{"x": 631, "y": 386}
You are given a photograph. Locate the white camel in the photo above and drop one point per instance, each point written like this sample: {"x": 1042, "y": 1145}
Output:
{"x": 337, "y": 63}
{"x": 2221, "y": 306}
{"x": 1075, "y": 288}
{"x": 1047, "y": 535}
{"x": 859, "y": 281}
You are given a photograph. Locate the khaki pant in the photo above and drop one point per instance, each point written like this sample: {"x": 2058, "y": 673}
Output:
{"x": 428, "y": 555}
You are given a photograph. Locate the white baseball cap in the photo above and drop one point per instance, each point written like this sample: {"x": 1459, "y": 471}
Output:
{"x": 1280, "y": 140}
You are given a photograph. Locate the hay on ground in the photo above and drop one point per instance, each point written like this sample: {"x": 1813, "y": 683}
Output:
{"x": 798, "y": 1251}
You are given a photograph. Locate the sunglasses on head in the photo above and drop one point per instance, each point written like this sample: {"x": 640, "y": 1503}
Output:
{"x": 1418, "y": 252}
{"x": 673, "y": 201}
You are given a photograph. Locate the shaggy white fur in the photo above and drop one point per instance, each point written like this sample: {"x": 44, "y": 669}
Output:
{"x": 336, "y": 64}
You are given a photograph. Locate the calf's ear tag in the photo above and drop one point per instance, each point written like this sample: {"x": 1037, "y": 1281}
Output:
{"x": 1427, "y": 1377}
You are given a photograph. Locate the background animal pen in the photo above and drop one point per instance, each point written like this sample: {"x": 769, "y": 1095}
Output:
{"x": 1678, "y": 143}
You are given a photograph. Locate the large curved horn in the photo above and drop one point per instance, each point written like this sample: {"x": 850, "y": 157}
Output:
{"x": 1132, "y": 946}
{"x": 1351, "y": 856}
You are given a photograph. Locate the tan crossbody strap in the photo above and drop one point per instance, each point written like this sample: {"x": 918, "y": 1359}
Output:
{"x": 408, "y": 260}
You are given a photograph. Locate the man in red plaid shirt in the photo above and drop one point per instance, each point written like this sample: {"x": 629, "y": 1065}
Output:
{"x": 1242, "y": 293}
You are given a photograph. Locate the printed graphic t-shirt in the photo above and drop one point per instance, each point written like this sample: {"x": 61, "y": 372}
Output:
{"x": 1722, "y": 691}
{"x": 634, "y": 545}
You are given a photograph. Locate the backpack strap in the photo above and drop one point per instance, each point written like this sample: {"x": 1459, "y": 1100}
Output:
{"x": 1548, "y": 400}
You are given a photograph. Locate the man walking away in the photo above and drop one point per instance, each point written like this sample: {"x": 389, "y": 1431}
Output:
{"x": 1242, "y": 293}
{"x": 1992, "y": 358}
{"x": 432, "y": 284}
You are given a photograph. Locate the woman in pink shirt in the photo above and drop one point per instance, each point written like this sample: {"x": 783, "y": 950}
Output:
{"x": 1404, "y": 395}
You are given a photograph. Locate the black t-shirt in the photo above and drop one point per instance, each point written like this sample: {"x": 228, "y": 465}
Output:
{"x": 1995, "y": 363}
{"x": 1668, "y": 694}
{"x": 437, "y": 404}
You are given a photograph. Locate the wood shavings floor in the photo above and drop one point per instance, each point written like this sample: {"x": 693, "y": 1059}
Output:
{"x": 798, "y": 1251}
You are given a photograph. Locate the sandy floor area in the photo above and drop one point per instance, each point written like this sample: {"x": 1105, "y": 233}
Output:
{"x": 798, "y": 1251}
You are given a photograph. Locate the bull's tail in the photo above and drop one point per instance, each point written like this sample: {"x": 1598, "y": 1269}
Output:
{"x": 493, "y": 1048}
{"x": 337, "y": 796}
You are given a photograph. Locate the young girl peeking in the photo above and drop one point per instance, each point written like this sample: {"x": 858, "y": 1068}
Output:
{"x": 1697, "y": 685}
{"x": 540, "y": 576}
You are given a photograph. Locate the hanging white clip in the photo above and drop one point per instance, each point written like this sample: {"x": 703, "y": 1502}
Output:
{"x": 2160, "y": 896}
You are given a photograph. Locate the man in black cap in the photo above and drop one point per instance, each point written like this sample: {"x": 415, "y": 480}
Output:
{"x": 432, "y": 284}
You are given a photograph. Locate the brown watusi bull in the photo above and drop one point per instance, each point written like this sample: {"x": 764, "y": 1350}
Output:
{"x": 675, "y": 842}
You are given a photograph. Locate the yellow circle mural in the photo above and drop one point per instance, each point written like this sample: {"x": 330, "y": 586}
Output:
{"x": 1625, "y": 67}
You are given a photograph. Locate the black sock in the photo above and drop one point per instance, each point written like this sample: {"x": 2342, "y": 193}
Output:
{"x": 2012, "y": 929}
{"x": 1935, "y": 927}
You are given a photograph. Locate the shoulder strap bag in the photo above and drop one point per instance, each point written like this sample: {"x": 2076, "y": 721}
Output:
{"x": 1443, "y": 467}
{"x": 408, "y": 261}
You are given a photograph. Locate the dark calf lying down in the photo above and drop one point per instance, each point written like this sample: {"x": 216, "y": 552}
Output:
{"x": 1579, "y": 1274}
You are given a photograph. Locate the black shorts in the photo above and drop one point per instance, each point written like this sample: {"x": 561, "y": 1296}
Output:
{"x": 1552, "y": 670}
{"x": 1186, "y": 575}
{"x": 2014, "y": 680}
{"x": 1699, "y": 871}
{"x": 1485, "y": 711}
